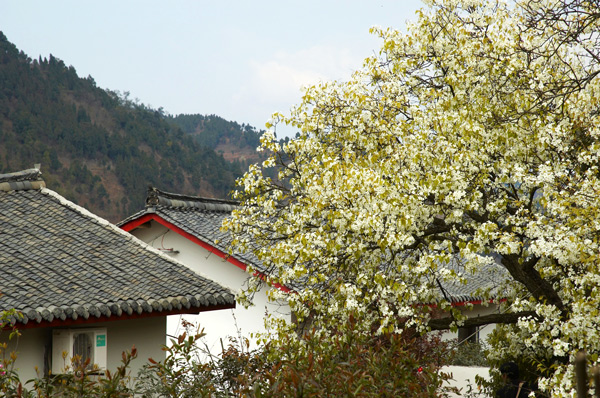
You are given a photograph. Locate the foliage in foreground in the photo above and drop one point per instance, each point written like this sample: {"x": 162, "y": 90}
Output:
{"x": 470, "y": 145}
{"x": 317, "y": 364}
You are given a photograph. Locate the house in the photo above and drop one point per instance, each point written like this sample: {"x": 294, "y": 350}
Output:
{"x": 469, "y": 297}
{"x": 188, "y": 229}
{"x": 84, "y": 286}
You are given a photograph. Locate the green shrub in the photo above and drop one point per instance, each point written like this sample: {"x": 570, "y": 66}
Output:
{"x": 469, "y": 354}
{"x": 319, "y": 363}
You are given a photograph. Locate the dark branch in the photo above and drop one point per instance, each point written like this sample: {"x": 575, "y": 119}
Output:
{"x": 444, "y": 323}
{"x": 526, "y": 274}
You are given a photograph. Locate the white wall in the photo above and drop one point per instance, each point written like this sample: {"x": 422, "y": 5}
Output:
{"x": 147, "y": 334}
{"x": 477, "y": 310}
{"x": 30, "y": 349}
{"x": 463, "y": 377}
{"x": 217, "y": 324}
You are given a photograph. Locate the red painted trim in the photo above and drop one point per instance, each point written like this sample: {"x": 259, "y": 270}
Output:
{"x": 131, "y": 225}
{"x": 462, "y": 303}
{"x": 32, "y": 324}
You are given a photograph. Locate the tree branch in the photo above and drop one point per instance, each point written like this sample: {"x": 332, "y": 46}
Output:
{"x": 444, "y": 323}
{"x": 526, "y": 274}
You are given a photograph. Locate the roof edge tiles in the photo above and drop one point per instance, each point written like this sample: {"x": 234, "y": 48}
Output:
{"x": 157, "y": 197}
{"x": 22, "y": 180}
{"x": 188, "y": 303}
{"x": 43, "y": 317}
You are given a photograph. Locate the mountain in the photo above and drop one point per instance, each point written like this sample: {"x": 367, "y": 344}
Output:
{"x": 100, "y": 149}
{"x": 235, "y": 142}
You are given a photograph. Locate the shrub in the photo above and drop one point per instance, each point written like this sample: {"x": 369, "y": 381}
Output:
{"x": 319, "y": 363}
{"x": 469, "y": 354}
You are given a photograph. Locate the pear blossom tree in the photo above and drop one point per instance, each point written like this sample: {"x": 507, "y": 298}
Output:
{"x": 475, "y": 132}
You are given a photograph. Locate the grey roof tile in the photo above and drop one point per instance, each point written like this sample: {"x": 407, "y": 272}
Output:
{"x": 489, "y": 278}
{"x": 58, "y": 261}
{"x": 200, "y": 217}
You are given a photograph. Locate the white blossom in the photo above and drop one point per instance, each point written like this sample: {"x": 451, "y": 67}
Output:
{"x": 475, "y": 132}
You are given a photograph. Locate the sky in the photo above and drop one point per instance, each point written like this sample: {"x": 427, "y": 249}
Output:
{"x": 240, "y": 60}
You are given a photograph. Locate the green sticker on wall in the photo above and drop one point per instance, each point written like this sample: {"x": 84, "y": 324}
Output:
{"x": 101, "y": 340}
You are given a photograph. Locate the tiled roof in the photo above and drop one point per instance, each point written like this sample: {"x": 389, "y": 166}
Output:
{"x": 58, "y": 262}
{"x": 202, "y": 218}
{"x": 26, "y": 179}
{"x": 198, "y": 216}
{"x": 490, "y": 278}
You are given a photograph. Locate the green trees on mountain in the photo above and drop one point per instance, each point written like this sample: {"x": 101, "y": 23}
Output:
{"x": 212, "y": 130}
{"x": 98, "y": 147}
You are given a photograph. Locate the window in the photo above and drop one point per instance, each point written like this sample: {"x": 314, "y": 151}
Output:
{"x": 83, "y": 343}
{"x": 83, "y": 346}
{"x": 470, "y": 334}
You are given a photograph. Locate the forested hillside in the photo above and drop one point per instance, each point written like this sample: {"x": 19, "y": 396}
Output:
{"x": 237, "y": 143}
{"x": 100, "y": 149}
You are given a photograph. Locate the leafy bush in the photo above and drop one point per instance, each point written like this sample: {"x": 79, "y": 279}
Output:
{"x": 469, "y": 354}
{"x": 9, "y": 380}
{"x": 319, "y": 363}
{"x": 324, "y": 364}
{"x": 80, "y": 381}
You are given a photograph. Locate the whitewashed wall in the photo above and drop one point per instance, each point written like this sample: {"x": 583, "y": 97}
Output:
{"x": 463, "y": 378}
{"x": 217, "y": 324}
{"x": 147, "y": 334}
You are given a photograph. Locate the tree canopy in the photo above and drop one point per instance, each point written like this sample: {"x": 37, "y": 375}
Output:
{"x": 475, "y": 133}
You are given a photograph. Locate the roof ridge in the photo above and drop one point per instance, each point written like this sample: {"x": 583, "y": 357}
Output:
{"x": 22, "y": 180}
{"x": 157, "y": 197}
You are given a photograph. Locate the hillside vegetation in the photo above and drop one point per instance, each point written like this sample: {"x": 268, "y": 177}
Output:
{"x": 100, "y": 149}
{"x": 235, "y": 142}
